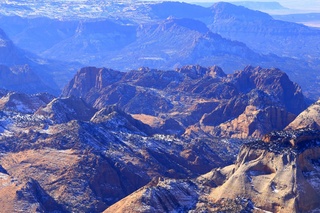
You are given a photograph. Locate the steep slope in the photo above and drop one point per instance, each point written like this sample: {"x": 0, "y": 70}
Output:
{"x": 24, "y": 196}
{"x": 195, "y": 99}
{"x": 9, "y": 54}
{"x": 268, "y": 176}
{"x": 63, "y": 110}
{"x": 159, "y": 195}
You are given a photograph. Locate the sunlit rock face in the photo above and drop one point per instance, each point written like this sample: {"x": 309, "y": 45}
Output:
{"x": 309, "y": 118}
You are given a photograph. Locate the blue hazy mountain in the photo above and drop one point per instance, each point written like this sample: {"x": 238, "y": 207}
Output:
{"x": 26, "y": 72}
{"x": 262, "y": 33}
{"x": 171, "y": 34}
{"x": 262, "y": 6}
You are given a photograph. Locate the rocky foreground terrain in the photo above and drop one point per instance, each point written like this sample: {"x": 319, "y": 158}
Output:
{"x": 268, "y": 176}
{"x": 62, "y": 155}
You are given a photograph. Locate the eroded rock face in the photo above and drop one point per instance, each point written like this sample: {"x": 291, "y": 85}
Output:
{"x": 250, "y": 102}
{"x": 255, "y": 122}
{"x": 273, "y": 176}
{"x": 284, "y": 174}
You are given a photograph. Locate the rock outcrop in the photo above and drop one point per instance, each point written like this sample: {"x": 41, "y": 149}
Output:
{"x": 287, "y": 175}
{"x": 268, "y": 176}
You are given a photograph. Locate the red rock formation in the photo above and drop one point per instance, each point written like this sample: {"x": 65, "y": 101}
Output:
{"x": 176, "y": 94}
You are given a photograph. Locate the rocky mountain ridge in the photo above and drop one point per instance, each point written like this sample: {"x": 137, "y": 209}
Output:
{"x": 194, "y": 99}
{"x": 166, "y": 35}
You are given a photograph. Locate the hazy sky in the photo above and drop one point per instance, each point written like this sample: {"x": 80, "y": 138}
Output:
{"x": 293, "y": 4}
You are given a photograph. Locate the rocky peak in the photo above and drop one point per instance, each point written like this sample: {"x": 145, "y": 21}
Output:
{"x": 160, "y": 195}
{"x": 272, "y": 82}
{"x": 287, "y": 175}
{"x": 195, "y": 71}
{"x": 89, "y": 78}
{"x": 216, "y": 71}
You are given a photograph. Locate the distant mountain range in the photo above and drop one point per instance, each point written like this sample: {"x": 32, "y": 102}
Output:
{"x": 262, "y": 33}
{"x": 308, "y": 19}
{"x": 262, "y": 6}
{"x": 171, "y": 35}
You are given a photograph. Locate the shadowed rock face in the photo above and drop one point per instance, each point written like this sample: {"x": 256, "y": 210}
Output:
{"x": 194, "y": 99}
{"x": 273, "y": 176}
